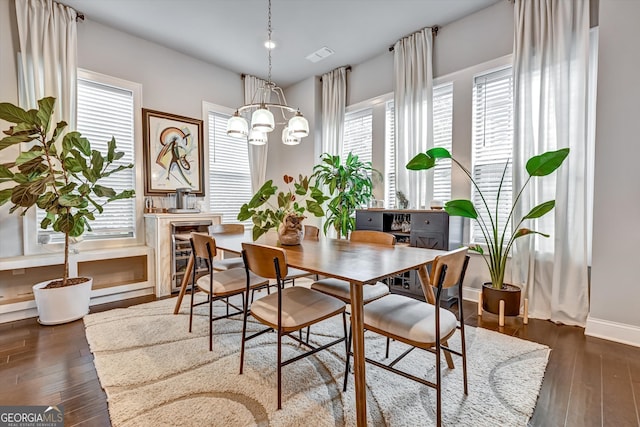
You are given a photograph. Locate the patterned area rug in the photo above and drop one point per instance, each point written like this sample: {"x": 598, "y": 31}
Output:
{"x": 156, "y": 373}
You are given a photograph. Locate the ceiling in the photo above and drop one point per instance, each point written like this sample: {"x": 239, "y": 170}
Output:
{"x": 231, "y": 33}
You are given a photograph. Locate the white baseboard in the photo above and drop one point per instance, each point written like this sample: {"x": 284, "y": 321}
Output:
{"x": 470, "y": 294}
{"x": 613, "y": 331}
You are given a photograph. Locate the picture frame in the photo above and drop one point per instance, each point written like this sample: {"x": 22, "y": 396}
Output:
{"x": 173, "y": 153}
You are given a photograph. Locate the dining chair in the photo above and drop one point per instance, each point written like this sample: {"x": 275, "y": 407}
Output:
{"x": 423, "y": 325}
{"x": 311, "y": 232}
{"x": 218, "y": 285}
{"x": 341, "y": 289}
{"x": 227, "y": 263}
{"x": 287, "y": 310}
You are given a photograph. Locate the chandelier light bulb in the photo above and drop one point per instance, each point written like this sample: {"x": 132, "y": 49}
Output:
{"x": 237, "y": 126}
{"x": 257, "y": 138}
{"x": 262, "y": 120}
{"x": 289, "y": 139}
{"x": 298, "y": 126}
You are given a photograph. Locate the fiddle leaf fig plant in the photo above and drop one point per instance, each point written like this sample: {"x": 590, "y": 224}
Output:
{"x": 496, "y": 231}
{"x": 269, "y": 207}
{"x": 59, "y": 172}
{"x": 352, "y": 185}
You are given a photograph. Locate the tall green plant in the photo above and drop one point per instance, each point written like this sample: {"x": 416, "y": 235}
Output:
{"x": 499, "y": 239}
{"x": 351, "y": 183}
{"x": 60, "y": 177}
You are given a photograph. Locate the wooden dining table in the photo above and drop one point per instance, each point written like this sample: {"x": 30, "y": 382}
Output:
{"x": 358, "y": 263}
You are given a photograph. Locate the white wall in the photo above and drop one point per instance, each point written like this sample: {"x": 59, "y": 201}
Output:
{"x": 171, "y": 82}
{"x": 615, "y": 292}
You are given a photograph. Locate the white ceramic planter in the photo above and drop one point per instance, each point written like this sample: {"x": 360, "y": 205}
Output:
{"x": 62, "y": 305}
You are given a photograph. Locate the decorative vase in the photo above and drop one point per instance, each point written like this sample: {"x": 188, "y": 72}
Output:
{"x": 290, "y": 230}
{"x": 62, "y": 305}
{"x": 491, "y": 298}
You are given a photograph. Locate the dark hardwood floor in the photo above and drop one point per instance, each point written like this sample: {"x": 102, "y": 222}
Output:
{"x": 588, "y": 382}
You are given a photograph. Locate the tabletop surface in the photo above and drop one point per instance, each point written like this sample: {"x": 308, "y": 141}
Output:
{"x": 355, "y": 262}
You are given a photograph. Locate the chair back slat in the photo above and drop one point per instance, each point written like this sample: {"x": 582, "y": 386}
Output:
{"x": 226, "y": 229}
{"x": 200, "y": 242}
{"x": 371, "y": 236}
{"x": 260, "y": 260}
{"x": 454, "y": 261}
{"x": 311, "y": 232}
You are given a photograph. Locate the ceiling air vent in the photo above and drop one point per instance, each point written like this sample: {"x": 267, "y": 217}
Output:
{"x": 320, "y": 54}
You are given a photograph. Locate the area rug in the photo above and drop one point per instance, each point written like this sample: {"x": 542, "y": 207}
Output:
{"x": 156, "y": 373}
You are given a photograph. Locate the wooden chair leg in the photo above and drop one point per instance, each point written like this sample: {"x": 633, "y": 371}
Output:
{"x": 480, "y": 304}
{"x": 525, "y": 315}
{"x": 447, "y": 356}
{"x": 501, "y": 313}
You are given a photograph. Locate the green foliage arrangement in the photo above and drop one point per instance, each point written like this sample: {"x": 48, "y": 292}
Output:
{"x": 352, "y": 185}
{"x": 300, "y": 197}
{"x": 499, "y": 240}
{"x": 60, "y": 177}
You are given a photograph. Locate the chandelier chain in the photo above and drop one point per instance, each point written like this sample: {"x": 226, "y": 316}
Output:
{"x": 269, "y": 47}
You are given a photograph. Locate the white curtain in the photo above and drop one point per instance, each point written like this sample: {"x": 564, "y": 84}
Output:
{"x": 334, "y": 104}
{"x": 48, "y": 56}
{"x": 551, "y": 64}
{"x": 257, "y": 153}
{"x": 413, "y": 100}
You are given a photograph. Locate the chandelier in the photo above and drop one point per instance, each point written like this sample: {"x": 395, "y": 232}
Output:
{"x": 262, "y": 118}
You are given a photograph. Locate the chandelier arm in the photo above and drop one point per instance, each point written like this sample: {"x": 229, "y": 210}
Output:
{"x": 267, "y": 105}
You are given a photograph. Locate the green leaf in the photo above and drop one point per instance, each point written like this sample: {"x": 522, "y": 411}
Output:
{"x": 97, "y": 162}
{"x": 111, "y": 150}
{"x": 462, "y": 208}
{"x": 126, "y": 194}
{"x": 45, "y": 111}
{"x": 5, "y": 172}
{"x": 8, "y": 141}
{"x": 540, "y": 210}
{"x": 27, "y": 156}
{"x": 64, "y": 223}
{"x": 57, "y": 132}
{"x": 525, "y": 232}
{"x": 546, "y": 163}
{"x": 5, "y": 195}
{"x": 420, "y": 162}
{"x": 22, "y": 196}
{"x": 264, "y": 193}
{"x": 101, "y": 191}
{"x": 78, "y": 225}
{"x": 439, "y": 153}
{"x": 14, "y": 114}
{"x": 45, "y": 223}
{"x": 245, "y": 213}
{"x": 44, "y": 201}
{"x": 70, "y": 200}
{"x": 476, "y": 248}
{"x": 315, "y": 208}
{"x": 33, "y": 167}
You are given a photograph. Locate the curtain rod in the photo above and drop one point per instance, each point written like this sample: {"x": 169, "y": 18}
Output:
{"x": 243, "y": 75}
{"x": 434, "y": 31}
{"x": 348, "y": 68}
{"x": 79, "y": 16}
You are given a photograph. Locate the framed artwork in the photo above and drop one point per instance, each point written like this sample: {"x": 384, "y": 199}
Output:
{"x": 173, "y": 153}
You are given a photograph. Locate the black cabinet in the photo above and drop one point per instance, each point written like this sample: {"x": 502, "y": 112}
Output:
{"x": 433, "y": 229}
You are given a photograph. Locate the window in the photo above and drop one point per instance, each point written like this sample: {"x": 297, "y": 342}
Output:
{"x": 105, "y": 110}
{"x": 358, "y": 131}
{"x": 442, "y": 137}
{"x": 492, "y": 142}
{"x": 229, "y": 175}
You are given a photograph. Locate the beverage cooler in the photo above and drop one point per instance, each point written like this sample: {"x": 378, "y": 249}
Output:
{"x": 181, "y": 249}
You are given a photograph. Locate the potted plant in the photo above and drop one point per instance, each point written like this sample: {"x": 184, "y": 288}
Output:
{"x": 352, "y": 185}
{"x": 287, "y": 213}
{"x": 59, "y": 173}
{"x": 496, "y": 231}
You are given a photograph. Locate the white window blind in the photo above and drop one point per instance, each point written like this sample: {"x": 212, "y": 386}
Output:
{"x": 492, "y": 143}
{"x": 106, "y": 111}
{"x": 358, "y": 134}
{"x": 442, "y": 137}
{"x": 390, "y": 155}
{"x": 230, "y": 179}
